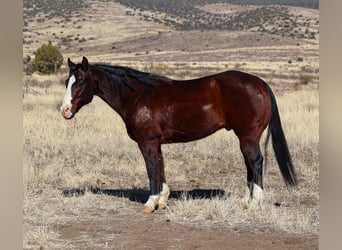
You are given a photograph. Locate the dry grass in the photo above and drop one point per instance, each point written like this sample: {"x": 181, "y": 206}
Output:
{"x": 294, "y": 219}
{"x": 93, "y": 150}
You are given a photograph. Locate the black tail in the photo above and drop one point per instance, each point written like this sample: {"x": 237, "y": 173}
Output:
{"x": 280, "y": 145}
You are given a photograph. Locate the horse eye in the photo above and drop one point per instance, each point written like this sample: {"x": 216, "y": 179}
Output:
{"x": 80, "y": 82}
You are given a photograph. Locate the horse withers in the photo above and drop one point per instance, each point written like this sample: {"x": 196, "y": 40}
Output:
{"x": 158, "y": 110}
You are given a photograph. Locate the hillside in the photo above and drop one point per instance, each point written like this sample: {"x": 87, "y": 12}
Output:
{"x": 227, "y": 15}
{"x": 270, "y": 17}
{"x": 182, "y": 39}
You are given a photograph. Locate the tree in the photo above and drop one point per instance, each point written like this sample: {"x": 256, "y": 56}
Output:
{"x": 48, "y": 59}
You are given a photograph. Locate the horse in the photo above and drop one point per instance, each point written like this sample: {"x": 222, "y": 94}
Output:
{"x": 158, "y": 110}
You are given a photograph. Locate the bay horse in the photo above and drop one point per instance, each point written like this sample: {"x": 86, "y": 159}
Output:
{"x": 158, "y": 110}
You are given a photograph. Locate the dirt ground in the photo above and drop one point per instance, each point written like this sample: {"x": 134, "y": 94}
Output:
{"x": 128, "y": 228}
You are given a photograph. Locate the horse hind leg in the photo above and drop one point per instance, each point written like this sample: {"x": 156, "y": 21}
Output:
{"x": 253, "y": 160}
{"x": 249, "y": 188}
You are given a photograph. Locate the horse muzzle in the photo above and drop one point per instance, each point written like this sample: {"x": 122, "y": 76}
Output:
{"x": 66, "y": 112}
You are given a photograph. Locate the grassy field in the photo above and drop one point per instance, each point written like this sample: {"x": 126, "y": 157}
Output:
{"x": 85, "y": 181}
{"x": 93, "y": 152}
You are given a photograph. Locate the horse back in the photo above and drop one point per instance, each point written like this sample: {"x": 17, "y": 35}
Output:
{"x": 180, "y": 111}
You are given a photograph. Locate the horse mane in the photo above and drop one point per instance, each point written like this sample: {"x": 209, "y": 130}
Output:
{"x": 122, "y": 76}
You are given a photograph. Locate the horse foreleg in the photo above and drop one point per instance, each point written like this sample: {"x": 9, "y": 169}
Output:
{"x": 159, "y": 191}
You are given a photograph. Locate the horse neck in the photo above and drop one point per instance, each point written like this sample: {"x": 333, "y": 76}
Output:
{"x": 116, "y": 99}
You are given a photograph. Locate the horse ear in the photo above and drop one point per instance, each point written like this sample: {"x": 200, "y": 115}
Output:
{"x": 85, "y": 64}
{"x": 70, "y": 63}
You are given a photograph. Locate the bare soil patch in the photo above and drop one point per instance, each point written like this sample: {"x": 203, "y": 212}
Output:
{"x": 133, "y": 230}
{"x": 226, "y": 8}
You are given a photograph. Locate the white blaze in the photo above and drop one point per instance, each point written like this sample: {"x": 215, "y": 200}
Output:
{"x": 66, "y": 106}
{"x": 68, "y": 97}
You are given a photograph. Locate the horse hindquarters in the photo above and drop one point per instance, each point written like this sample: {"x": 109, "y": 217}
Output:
{"x": 249, "y": 144}
{"x": 248, "y": 112}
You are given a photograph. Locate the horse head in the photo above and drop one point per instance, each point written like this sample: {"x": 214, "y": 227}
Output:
{"x": 80, "y": 88}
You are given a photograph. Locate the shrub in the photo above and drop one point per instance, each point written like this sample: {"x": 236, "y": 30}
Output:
{"x": 48, "y": 59}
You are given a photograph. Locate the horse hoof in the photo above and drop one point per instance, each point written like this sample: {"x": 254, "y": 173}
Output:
{"x": 147, "y": 210}
{"x": 161, "y": 206}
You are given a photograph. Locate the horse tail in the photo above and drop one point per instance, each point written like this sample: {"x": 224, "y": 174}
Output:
{"x": 279, "y": 144}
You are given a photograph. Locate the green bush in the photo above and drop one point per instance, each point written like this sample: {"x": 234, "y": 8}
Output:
{"x": 48, "y": 59}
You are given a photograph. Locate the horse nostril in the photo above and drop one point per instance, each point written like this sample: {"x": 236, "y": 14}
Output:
{"x": 65, "y": 109}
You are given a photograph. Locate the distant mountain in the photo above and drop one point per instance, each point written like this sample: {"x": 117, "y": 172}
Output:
{"x": 162, "y": 4}
{"x": 270, "y": 16}
{"x": 312, "y": 4}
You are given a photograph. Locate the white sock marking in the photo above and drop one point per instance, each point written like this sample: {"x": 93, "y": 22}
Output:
{"x": 159, "y": 199}
{"x": 164, "y": 195}
{"x": 152, "y": 201}
{"x": 258, "y": 193}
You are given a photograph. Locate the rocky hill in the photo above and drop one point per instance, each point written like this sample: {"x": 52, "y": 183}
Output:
{"x": 183, "y": 39}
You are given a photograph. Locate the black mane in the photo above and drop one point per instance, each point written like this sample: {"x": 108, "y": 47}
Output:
{"x": 122, "y": 76}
